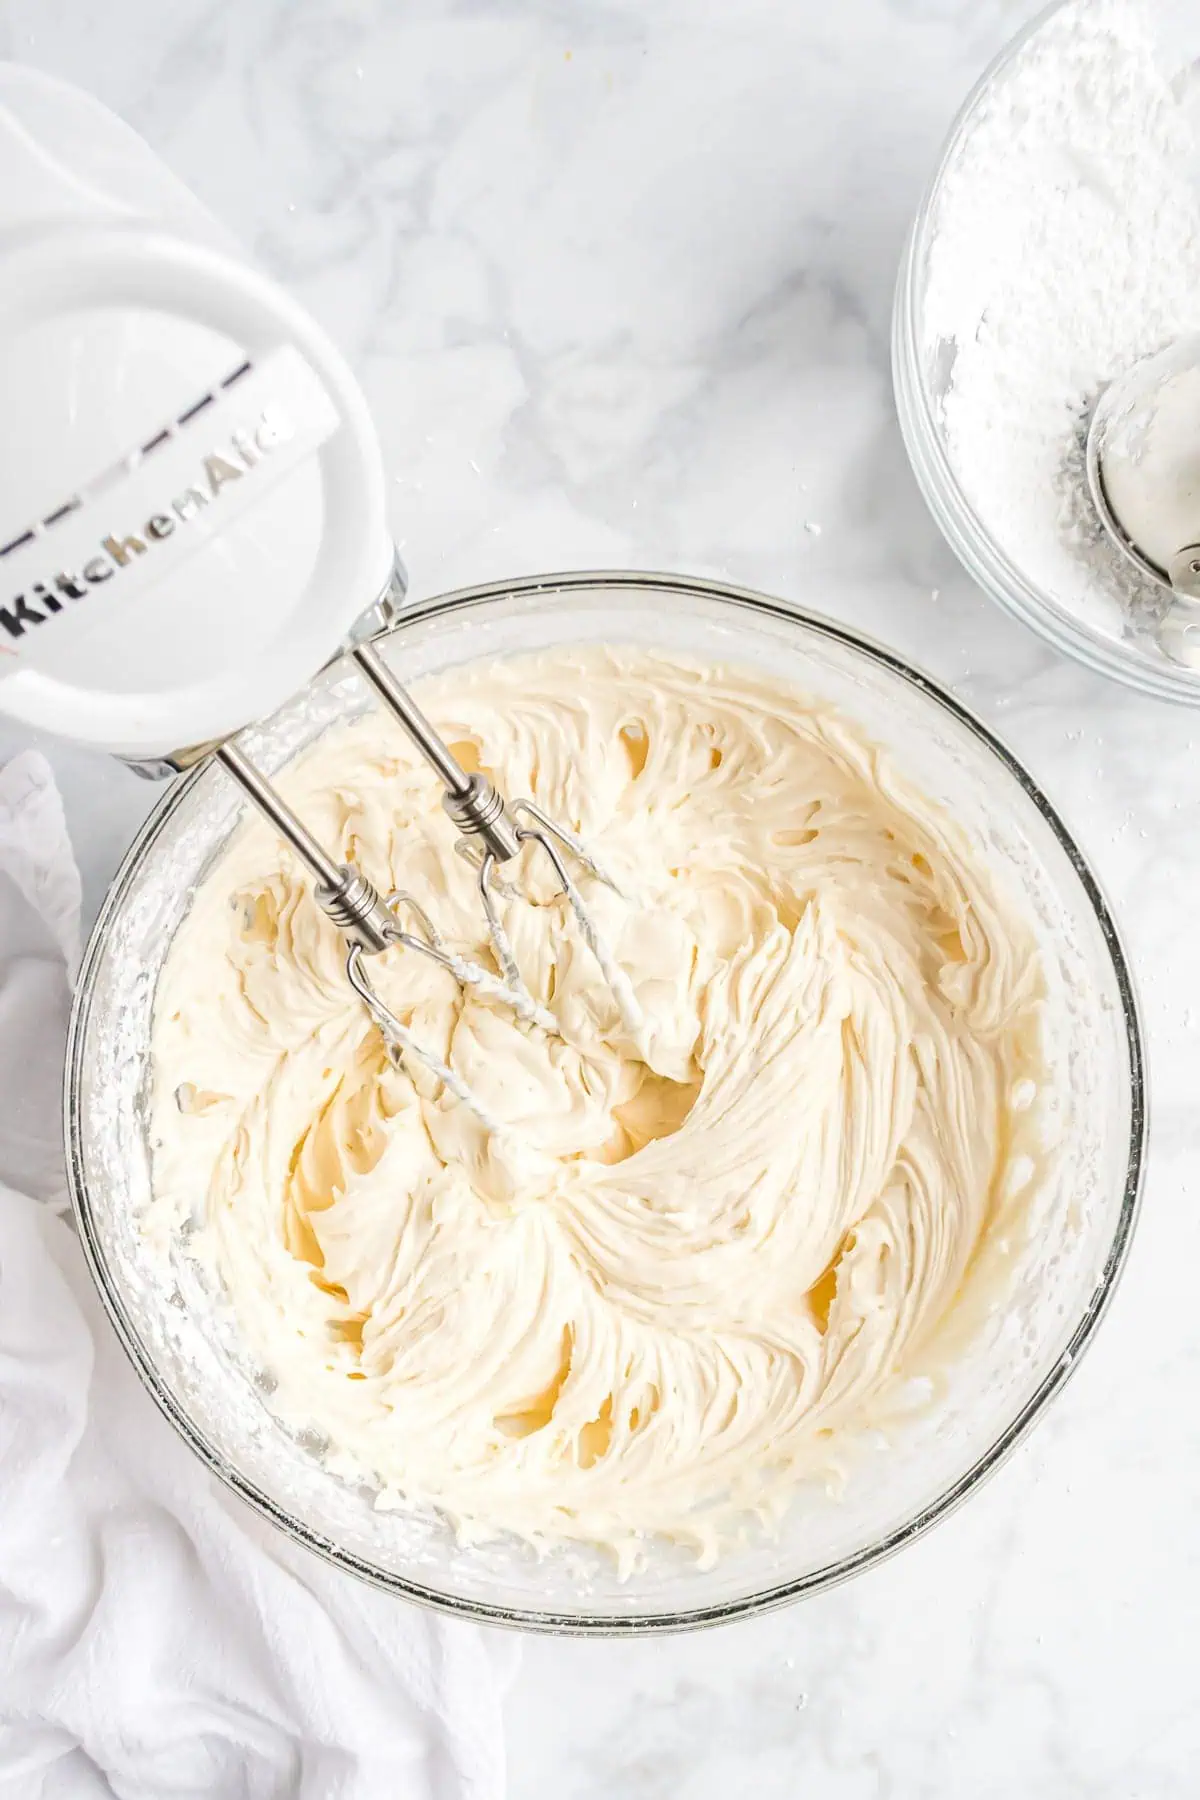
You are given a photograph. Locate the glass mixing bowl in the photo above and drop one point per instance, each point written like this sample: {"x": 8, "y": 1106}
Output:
{"x": 1003, "y": 1379}
{"x": 922, "y": 367}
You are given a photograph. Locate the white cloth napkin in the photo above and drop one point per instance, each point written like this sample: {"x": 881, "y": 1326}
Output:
{"x": 157, "y": 1640}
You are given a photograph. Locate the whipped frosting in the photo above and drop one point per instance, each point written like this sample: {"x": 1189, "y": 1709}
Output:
{"x": 695, "y": 1260}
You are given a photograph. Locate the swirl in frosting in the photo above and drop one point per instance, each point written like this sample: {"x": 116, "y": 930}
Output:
{"x": 686, "y": 1264}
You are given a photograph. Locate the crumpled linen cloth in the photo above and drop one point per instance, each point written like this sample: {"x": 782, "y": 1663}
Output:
{"x": 157, "y": 1640}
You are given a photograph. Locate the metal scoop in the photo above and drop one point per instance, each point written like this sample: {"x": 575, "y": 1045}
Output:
{"x": 1143, "y": 466}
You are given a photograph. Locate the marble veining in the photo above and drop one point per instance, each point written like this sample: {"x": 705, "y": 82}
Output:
{"x": 617, "y": 278}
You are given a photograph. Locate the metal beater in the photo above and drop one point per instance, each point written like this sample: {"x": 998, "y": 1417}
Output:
{"x": 1143, "y": 466}
{"x": 492, "y": 833}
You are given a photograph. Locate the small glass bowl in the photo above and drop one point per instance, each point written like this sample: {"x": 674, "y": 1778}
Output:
{"x": 1060, "y": 1283}
{"x": 920, "y": 374}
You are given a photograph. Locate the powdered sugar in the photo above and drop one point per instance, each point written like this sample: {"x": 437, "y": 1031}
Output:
{"x": 1066, "y": 246}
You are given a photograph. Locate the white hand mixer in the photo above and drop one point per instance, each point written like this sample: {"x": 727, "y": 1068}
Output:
{"x": 192, "y": 518}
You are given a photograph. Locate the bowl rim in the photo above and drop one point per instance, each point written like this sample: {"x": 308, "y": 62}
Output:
{"x": 680, "y": 589}
{"x": 983, "y": 557}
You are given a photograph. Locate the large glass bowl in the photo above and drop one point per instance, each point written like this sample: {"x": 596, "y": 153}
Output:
{"x": 921, "y": 372}
{"x": 1004, "y": 1378}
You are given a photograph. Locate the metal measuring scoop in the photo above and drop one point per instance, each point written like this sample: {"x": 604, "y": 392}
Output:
{"x": 1143, "y": 466}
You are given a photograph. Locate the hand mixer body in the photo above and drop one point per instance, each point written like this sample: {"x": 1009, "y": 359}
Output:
{"x": 191, "y": 491}
{"x": 192, "y": 509}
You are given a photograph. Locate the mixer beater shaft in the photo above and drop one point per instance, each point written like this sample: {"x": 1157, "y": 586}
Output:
{"x": 372, "y": 924}
{"x": 492, "y": 833}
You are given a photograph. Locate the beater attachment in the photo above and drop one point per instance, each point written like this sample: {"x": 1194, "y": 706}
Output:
{"x": 372, "y": 924}
{"x": 492, "y": 833}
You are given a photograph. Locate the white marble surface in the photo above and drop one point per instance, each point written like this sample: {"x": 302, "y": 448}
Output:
{"x": 617, "y": 277}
